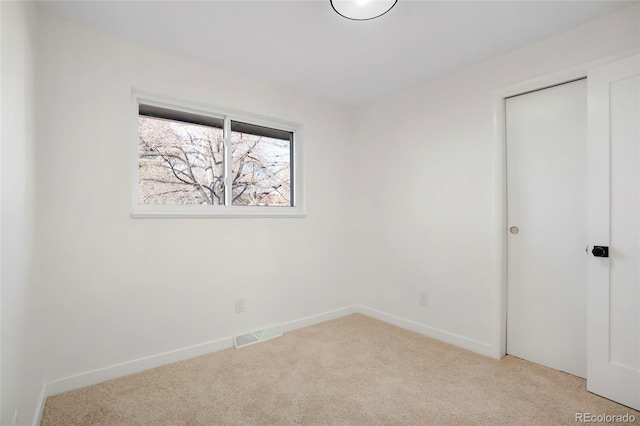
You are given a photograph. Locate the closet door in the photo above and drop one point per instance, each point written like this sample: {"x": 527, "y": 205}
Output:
{"x": 546, "y": 134}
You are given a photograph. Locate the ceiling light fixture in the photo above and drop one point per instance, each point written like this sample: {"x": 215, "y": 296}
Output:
{"x": 362, "y": 10}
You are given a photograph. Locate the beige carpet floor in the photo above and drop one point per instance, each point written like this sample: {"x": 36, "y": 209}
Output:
{"x": 354, "y": 370}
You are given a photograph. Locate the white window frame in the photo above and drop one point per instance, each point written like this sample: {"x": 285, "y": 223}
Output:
{"x": 179, "y": 211}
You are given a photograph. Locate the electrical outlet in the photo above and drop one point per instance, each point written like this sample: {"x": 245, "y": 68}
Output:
{"x": 14, "y": 420}
{"x": 239, "y": 306}
{"x": 424, "y": 299}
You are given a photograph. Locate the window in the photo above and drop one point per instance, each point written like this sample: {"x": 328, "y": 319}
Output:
{"x": 195, "y": 162}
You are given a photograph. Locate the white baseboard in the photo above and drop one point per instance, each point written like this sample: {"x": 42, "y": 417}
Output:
{"x": 99, "y": 375}
{"x": 317, "y": 319}
{"x": 444, "y": 336}
{"x": 93, "y": 377}
{"x": 37, "y": 416}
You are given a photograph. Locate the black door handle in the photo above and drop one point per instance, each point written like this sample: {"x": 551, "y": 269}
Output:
{"x": 600, "y": 251}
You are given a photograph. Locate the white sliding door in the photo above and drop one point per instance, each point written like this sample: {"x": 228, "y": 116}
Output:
{"x": 546, "y": 134}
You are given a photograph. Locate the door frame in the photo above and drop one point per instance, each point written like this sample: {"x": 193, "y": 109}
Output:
{"x": 499, "y": 243}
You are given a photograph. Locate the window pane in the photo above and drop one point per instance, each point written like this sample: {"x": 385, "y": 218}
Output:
{"x": 180, "y": 162}
{"x": 261, "y": 166}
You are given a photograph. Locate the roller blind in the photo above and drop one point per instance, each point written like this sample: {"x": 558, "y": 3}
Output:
{"x": 186, "y": 117}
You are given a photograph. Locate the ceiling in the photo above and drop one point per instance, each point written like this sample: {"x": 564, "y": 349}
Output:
{"x": 307, "y": 46}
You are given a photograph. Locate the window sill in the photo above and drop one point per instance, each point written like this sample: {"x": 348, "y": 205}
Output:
{"x": 171, "y": 212}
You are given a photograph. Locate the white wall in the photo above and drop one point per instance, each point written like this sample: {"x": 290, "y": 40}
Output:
{"x": 426, "y": 185}
{"x": 21, "y": 370}
{"x": 118, "y": 288}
